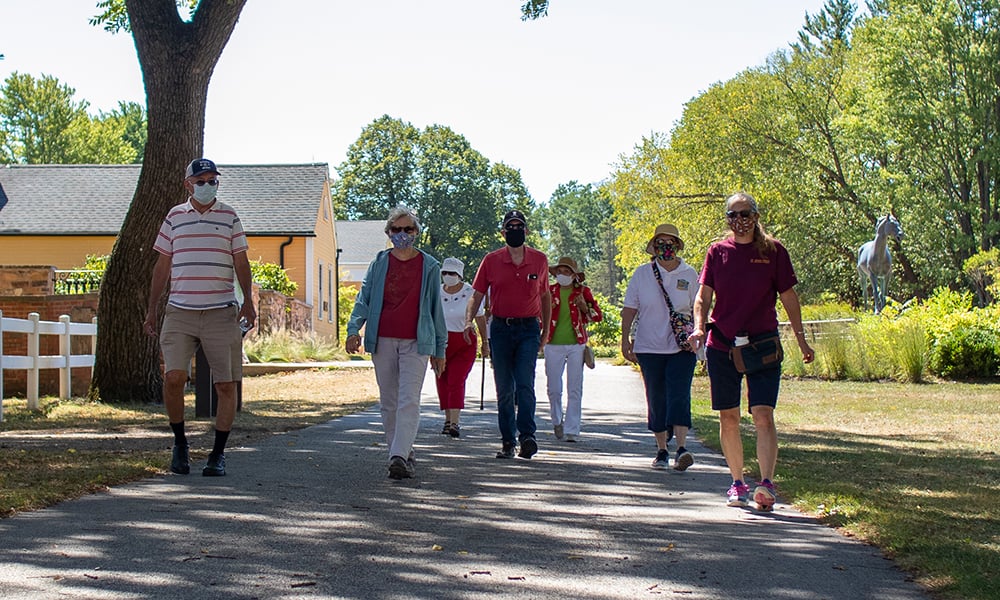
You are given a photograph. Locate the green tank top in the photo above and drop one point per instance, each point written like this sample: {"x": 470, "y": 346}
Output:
{"x": 564, "y": 334}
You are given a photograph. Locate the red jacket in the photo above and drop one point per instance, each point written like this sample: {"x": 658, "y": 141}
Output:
{"x": 578, "y": 320}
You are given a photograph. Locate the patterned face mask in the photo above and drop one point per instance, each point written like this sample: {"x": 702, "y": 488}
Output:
{"x": 741, "y": 225}
{"x": 664, "y": 250}
{"x": 402, "y": 240}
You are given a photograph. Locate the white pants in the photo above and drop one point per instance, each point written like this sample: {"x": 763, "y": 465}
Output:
{"x": 399, "y": 371}
{"x": 571, "y": 358}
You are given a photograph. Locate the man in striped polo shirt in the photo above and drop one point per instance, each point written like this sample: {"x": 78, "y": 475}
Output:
{"x": 201, "y": 244}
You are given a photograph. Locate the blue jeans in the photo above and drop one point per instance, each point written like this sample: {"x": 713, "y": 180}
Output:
{"x": 668, "y": 388}
{"x": 514, "y": 351}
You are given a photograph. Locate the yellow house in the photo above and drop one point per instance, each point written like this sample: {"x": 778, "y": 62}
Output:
{"x": 55, "y": 215}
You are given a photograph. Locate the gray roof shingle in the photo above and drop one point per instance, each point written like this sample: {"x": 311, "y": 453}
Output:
{"x": 93, "y": 199}
{"x": 360, "y": 241}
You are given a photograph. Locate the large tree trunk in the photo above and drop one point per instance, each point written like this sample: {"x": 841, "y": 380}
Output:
{"x": 177, "y": 60}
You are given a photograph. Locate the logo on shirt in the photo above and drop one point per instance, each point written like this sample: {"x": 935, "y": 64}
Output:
{"x": 683, "y": 284}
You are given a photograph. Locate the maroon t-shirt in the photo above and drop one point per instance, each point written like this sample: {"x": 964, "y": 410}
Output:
{"x": 746, "y": 288}
{"x": 401, "y": 299}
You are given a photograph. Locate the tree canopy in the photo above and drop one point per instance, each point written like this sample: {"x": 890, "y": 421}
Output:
{"x": 41, "y": 122}
{"x": 459, "y": 195}
{"x": 895, "y": 110}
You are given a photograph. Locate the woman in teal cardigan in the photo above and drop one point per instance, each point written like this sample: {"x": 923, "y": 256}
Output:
{"x": 399, "y": 306}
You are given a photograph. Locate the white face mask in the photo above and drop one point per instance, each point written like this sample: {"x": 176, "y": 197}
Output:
{"x": 451, "y": 280}
{"x": 204, "y": 194}
{"x": 564, "y": 280}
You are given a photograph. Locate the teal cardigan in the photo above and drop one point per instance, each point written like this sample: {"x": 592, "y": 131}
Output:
{"x": 432, "y": 333}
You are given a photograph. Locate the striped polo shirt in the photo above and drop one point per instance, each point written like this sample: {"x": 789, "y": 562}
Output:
{"x": 201, "y": 248}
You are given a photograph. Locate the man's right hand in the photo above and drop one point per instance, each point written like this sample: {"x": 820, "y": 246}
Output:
{"x": 149, "y": 325}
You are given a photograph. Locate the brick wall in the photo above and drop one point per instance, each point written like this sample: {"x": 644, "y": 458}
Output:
{"x": 27, "y": 281}
{"x": 278, "y": 312}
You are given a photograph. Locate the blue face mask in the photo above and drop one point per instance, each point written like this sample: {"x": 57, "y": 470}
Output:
{"x": 402, "y": 240}
{"x": 204, "y": 194}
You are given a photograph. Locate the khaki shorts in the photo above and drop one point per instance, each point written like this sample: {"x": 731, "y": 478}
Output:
{"x": 218, "y": 332}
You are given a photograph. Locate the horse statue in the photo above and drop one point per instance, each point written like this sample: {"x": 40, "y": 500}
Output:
{"x": 875, "y": 262}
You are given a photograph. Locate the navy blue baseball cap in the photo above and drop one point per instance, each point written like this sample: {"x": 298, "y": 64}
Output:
{"x": 199, "y": 166}
{"x": 514, "y": 215}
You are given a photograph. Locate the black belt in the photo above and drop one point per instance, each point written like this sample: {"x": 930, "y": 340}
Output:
{"x": 517, "y": 320}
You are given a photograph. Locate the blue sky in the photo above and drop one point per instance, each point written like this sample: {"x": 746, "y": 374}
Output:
{"x": 559, "y": 99}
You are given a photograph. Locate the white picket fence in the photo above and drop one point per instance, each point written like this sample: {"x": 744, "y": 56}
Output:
{"x": 33, "y": 363}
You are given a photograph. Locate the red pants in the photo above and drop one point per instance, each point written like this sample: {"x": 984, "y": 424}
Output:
{"x": 459, "y": 358}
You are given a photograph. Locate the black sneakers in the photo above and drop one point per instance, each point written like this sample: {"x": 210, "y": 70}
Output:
{"x": 454, "y": 431}
{"x": 507, "y": 451}
{"x": 528, "y": 447}
{"x": 180, "y": 463}
{"x": 216, "y": 466}
{"x": 400, "y": 468}
{"x": 684, "y": 460}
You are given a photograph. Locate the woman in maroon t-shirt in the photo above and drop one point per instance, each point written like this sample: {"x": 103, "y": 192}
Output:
{"x": 746, "y": 273}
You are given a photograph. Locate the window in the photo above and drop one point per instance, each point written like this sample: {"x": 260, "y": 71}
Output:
{"x": 319, "y": 305}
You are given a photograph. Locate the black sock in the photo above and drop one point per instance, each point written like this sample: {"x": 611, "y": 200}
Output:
{"x": 221, "y": 437}
{"x": 179, "y": 438}
{"x": 681, "y": 450}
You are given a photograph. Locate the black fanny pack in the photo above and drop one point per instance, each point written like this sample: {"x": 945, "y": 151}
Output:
{"x": 763, "y": 351}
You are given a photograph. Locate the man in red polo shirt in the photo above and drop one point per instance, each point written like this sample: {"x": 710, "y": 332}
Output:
{"x": 517, "y": 279}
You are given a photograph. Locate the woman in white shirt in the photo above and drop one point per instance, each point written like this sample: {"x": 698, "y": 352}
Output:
{"x": 667, "y": 369}
{"x": 460, "y": 355}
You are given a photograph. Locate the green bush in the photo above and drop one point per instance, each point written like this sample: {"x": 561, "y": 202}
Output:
{"x": 607, "y": 331}
{"x": 968, "y": 351}
{"x": 270, "y": 276}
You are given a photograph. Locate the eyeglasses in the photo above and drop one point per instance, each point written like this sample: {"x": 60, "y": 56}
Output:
{"x": 449, "y": 273}
{"x": 514, "y": 226}
{"x": 211, "y": 182}
{"x": 406, "y": 229}
{"x": 745, "y": 213}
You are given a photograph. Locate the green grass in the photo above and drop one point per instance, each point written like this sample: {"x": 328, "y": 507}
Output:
{"x": 910, "y": 468}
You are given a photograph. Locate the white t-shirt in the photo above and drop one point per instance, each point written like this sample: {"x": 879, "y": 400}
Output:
{"x": 653, "y": 333}
{"x": 454, "y": 306}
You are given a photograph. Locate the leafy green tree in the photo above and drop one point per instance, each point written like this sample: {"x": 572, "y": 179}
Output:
{"x": 934, "y": 72}
{"x": 458, "y": 194}
{"x": 380, "y": 171}
{"x": 578, "y": 223}
{"x": 41, "y": 122}
{"x": 130, "y": 120}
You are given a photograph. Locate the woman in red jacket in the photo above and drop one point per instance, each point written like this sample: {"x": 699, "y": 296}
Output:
{"x": 573, "y": 306}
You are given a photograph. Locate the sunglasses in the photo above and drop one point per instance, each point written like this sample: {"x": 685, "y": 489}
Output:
{"x": 745, "y": 213}
{"x": 406, "y": 229}
{"x": 211, "y": 182}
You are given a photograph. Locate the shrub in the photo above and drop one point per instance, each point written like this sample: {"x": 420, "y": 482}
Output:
{"x": 967, "y": 351}
{"x": 272, "y": 277}
{"x": 606, "y": 332}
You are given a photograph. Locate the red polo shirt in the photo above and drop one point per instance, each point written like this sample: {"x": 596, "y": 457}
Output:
{"x": 515, "y": 290}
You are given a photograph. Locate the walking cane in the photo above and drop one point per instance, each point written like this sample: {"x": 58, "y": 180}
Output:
{"x": 482, "y": 384}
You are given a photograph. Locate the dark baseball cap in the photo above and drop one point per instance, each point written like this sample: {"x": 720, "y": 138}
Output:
{"x": 513, "y": 215}
{"x": 199, "y": 166}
